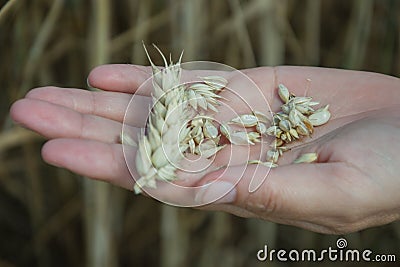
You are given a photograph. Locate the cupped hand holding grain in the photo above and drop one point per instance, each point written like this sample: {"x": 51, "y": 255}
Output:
{"x": 353, "y": 185}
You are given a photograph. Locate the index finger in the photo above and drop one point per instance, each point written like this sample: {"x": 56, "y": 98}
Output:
{"x": 128, "y": 78}
{"x": 124, "y": 78}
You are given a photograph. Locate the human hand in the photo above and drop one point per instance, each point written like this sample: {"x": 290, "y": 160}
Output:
{"x": 351, "y": 187}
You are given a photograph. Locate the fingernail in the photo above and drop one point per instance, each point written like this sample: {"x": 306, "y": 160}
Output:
{"x": 88, "y": 83}
{"x": 218, "y": 192}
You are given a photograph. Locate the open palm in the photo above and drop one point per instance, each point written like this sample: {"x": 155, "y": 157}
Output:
{"x": 354, "y": 184}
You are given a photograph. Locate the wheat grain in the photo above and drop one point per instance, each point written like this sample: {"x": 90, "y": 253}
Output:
{"x": 297, "y": 118}
{"x": 306, "y": 158}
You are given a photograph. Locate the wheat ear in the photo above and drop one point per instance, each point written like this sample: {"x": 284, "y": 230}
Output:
{"x": 162, "y": 147}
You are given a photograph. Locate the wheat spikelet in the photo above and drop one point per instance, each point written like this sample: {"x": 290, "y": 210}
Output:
{"x": 204, "y": 94}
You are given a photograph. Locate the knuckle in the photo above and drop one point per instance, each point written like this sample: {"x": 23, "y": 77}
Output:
{"x": 266, "y": 200}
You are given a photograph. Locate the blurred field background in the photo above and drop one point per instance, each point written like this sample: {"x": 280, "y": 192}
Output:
{"x": 51, "y": 217}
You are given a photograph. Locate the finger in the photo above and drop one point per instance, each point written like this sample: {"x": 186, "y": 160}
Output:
{"x": 54, "y": 121}
{"x": 124, "y": 78}
{"x": 93, "y": 159}
{"x": 302, "y": 194}
{"x": 136, "y": 79}
{"x": 111, "y": 105}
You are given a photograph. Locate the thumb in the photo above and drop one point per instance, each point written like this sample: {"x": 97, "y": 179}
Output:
{"x": 296, "y": 191}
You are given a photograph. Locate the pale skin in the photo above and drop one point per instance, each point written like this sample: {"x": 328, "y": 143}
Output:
{"x": 354, "y": 184}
